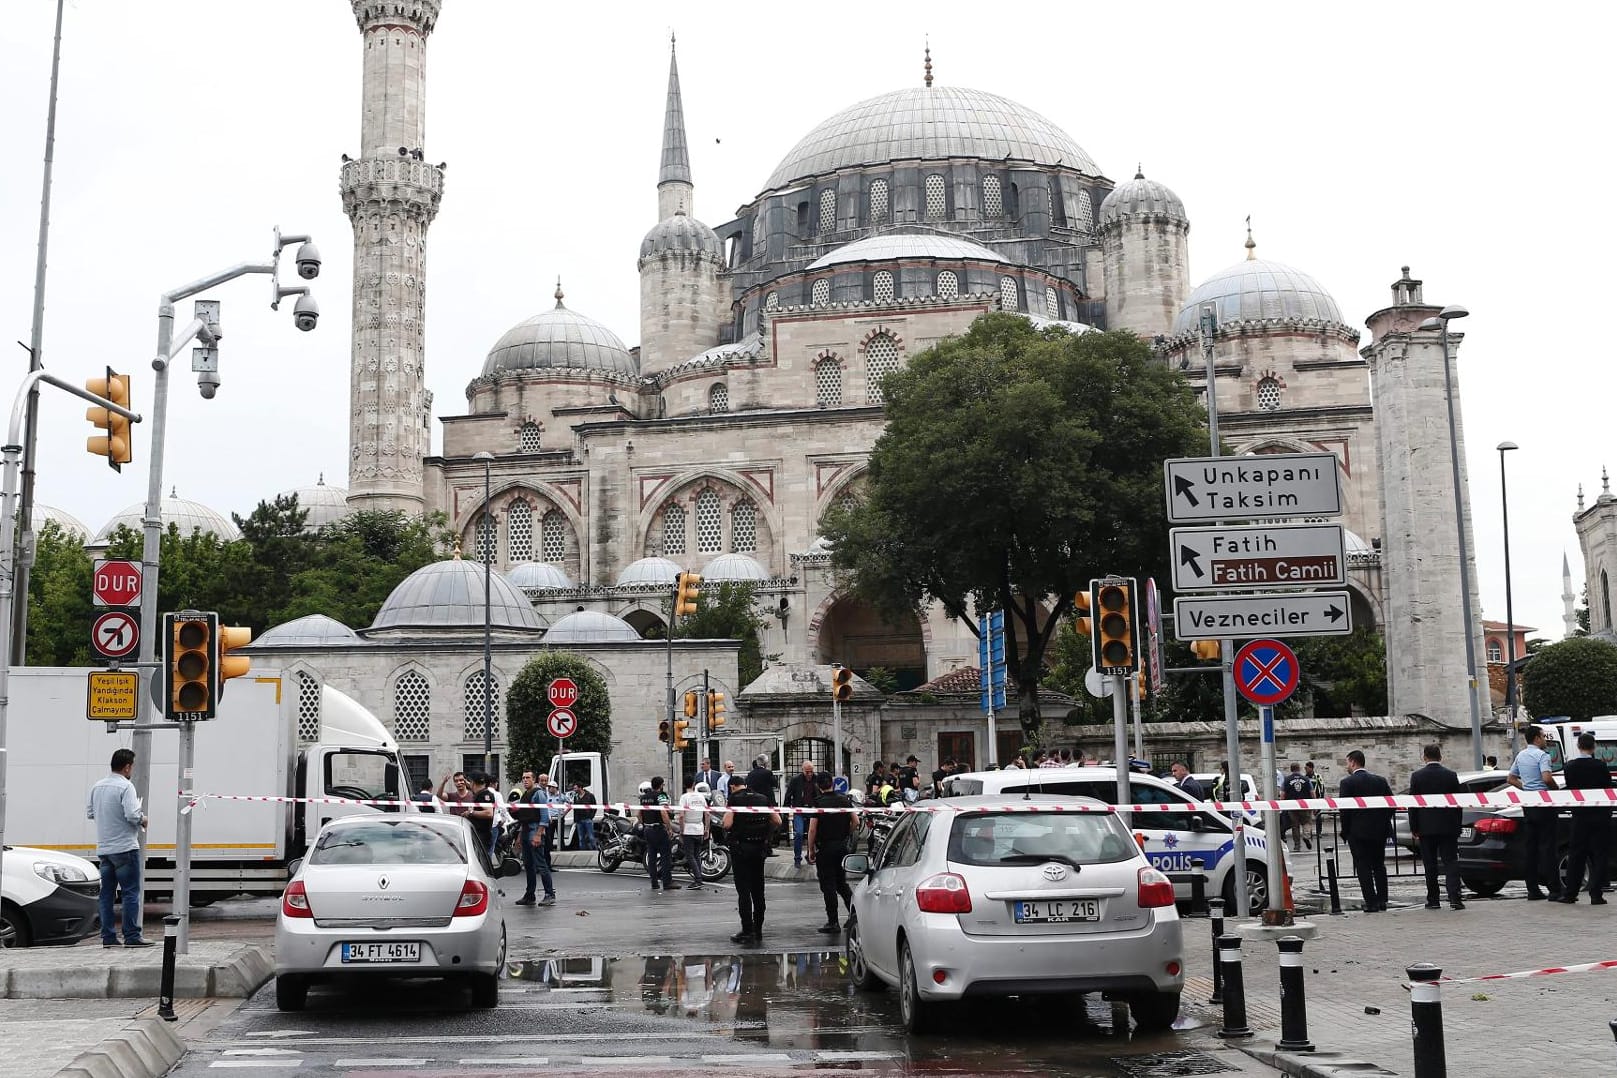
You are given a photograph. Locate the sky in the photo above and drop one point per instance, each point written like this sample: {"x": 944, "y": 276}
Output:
{"x": 1360, "y": 137}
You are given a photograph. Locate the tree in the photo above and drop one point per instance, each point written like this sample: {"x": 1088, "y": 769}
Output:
{"x": 728, "y": 611}
{"x": 1017, "y": 463}
{"x": 527, "y": 707}
{"x": 1344, "y": 673}
{"x": 1576, "y": 677}
{"x": 59, "y": 608}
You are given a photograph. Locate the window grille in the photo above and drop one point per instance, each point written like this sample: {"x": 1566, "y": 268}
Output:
{"x": 718, "y": 398}
{"x": 709, "y": 533}
{"x": 308, "y": 708}
{"x": 1086, "y": 212}
{"x": 993, "y": 204}
{"x": 674, "y": 529}
{"x": 758, "y": 232}
{"x": 1007, "y": 294}
{"x": 881, "y": 359}
{"x": 937, "y": 203}
{"x": 553, "y": 536}
{"x": 1269, "y": 395}
{"x": 948, "y": 285}
{"x": 744, "y": 528}
{"x": 528, "y": 438}
{"x": 412, "y": 706}
{"x": 878, "y": 202}
{"x": 485, "y": 539}
{"x": 827, "y": 383}
{"x": 882, "y": 287}
{"x": 771, "y": 301}
{"x": 822, "y": 292}
{"x": 1052, "y": 303}
{"x": 480, "y": 703}
{"x": 828, "y": 210}
{"x": 519, "y": 531}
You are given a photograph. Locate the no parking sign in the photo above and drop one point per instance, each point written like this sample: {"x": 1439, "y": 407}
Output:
{"x": 1266, "y": 672}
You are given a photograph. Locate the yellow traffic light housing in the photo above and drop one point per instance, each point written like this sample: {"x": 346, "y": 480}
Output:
{"x": 681, "y": 741}
{"x": 190, "y": 676}
{"x": 690, "y": 705}
{"x": 1116, "y": 642}
{"x": 715, "y": 710}
{"x": 687, "y": 586}
{"x": 1206, "y": 649}
{"x": 842, "y": 684}
{"x": 228, "y": 639}
{"x": 1083, "y": 623}
{"x": 662, "y": 731}
{"x": 116, "y": 444}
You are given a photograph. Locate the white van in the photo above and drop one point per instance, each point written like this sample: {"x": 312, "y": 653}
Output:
{"x": 1177, "y": 843}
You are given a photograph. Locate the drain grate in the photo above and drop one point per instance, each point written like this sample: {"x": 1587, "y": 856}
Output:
{"x": 1171, "y": 1065}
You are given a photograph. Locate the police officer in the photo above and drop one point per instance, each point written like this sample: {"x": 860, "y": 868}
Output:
{"x": 655, "y": 821}
{"x": 1591, "y": 827}
{"x": 750, "y": 833}
{"x": 827, "y": 842}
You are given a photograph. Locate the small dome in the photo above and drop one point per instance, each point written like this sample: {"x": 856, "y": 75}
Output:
{"x": 681, "y": 232}
{"x": 590, "y": 627}
{"x": 560, "y": 339}
{"x": 733, "y": 567}
{"x": 449, "y": 595}
{"x": 188, "y": 516}
{"x": 648, "y": 572}
{"x": 894, "y": 245}
{"x": 313, "y": 631}
{"x": 325, "y": 505}
{"x": 1259, "y": 290}
{"x": 69, "y": 523}
{"x": 1140, "y": 197}
{"x": 538, "y": 575}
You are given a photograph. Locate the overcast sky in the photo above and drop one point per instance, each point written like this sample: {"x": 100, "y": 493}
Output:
{"x": 1360, "y": 137}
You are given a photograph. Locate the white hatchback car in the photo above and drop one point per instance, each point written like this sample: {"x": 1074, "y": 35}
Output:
{"x": 979, "y": 896}
{"x": 400, "y": 896}
{"x": 47, "y": 896}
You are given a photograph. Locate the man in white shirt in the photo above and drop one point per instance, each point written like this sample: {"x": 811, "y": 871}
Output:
{"x": 1531, "y": 770}
{"x": 116, "y": 810}
{"x": 721, "y": 792}
{"x": 693, "y": 808}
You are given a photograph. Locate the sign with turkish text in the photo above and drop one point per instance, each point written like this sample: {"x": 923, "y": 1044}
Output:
{"x": 115, "y": 582}
{"x": 1242, "y": 617}
{"x": 1260, "y": 486}
{"x": 112, "y": 695}
{"x": 1260, "y": 556}
{"x": 563, "y": 692}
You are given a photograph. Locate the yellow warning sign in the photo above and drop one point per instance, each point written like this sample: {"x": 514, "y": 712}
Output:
{"x": 114, "y": 695}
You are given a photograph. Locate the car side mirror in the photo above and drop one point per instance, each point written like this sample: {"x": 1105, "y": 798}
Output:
{"x": 856, "y": 864}
{"x": 1197, "y": 822}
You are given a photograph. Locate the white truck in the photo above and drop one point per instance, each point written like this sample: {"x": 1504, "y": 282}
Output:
{"x": 238, "y": 847}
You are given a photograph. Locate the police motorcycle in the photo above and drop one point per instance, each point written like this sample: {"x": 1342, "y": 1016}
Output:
{"x": 619, "y": 839}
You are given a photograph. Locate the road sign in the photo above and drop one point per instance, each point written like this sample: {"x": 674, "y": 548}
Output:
{"x": 562, "y": 723}
{"x": 1242, "y": 617}
{"x": 1258, "y": 556}
{"x": 112, "y": 695}
{"x": 1265, "y": 672}
{"x": 1097, "y": 684}
{"x": 1153, "y": 644}
{"x": 115, "y": 634}
{"x": 115, "y": 582}
{"x": 1254, "y": 487}
{"x": 562, "y": 693}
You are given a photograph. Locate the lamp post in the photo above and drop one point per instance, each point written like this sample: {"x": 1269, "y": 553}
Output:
{"x": 1510, "y": 617}
{"x": 485, "y": 537}
{"x": 1441, "y": 323}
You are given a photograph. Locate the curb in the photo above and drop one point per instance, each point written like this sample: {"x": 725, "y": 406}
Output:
{"x": 147, "y": 1048}
{"x": 235, "y": 978}
{"x": 1314, "y": 1064}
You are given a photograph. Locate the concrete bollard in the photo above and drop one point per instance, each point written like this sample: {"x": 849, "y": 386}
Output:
{"x": 1229, "y": 956}
{"x": 165, "y": 990}
{"x": 1330, "y": 883}
{"x": 1293, "y": 1000}
{"x": 1215, "y": 910}
{"x": 1426, "y": 1020}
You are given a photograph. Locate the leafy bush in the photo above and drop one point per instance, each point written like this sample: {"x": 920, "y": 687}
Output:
{"x": 527, "y": 706}
{"x": 1576, "y": 677}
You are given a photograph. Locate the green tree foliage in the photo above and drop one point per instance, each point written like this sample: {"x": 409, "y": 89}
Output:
{"x": 59, "y": 610}
{"x": 1016, "y": 464}
{"x": 527, "y": 706}
{"x": 728, "y": 611}
{"x": 1344, "y": 674}
{"x": 1575, "y": 677}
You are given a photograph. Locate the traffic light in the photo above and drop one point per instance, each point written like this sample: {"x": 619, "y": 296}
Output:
{"x": 115, "y": 444}
{"x": 190, "y": 676}
{"x": 690, "y": 705}
{"x": 842, "y": 684}
{"x": 1082, "y": 624}
{"x": 1139, "y": 685}
{"x": 1206, "y": 649}
{"x": 1116, "y": 642}
{"x": 662, "y": 731}
{"x": 715, "y": 710}
{"x": 228, "y": 639}
{"x": 687, "y": 586}
{"x": 681, "y": 741}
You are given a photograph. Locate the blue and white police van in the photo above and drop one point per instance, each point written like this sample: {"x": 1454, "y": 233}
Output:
{"x": 1177, "y": 842}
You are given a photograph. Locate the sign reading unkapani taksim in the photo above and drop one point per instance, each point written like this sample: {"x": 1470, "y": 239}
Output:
{"x": 1261, "y": 486}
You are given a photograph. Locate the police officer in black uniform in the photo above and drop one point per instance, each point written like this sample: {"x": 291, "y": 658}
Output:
{"x": 750, "y": 834}
{"x": 659, "y": 848}
{"x": 827, "y": 842}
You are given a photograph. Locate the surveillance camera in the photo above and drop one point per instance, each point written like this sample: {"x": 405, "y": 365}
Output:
{"x": 306, "y": 313}
{"x": 208, "y": 384}
{"x": 308, "y": 261}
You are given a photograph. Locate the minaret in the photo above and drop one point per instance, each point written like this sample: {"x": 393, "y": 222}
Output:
{"x": 390, "y": 195}
{"x": 675, "y": 190}
{"x": 1569, "y": 610}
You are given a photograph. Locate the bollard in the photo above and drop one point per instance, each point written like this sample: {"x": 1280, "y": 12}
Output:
{"x": 1426, "y": 1020}
{"x": 1215, "y": 910}
{"x": 165, "y": 991}
{"x": 1229, "y": 956}
{"x": 1293, "y": 1001}
{"x": 1613, "y": 1027}
{"x": 1198, "y": 887}
{"x": 1330, "y": 883}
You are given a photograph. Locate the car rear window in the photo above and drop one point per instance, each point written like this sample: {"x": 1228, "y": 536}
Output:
{"x": 1009, "y": 838}
{"x": 962, "y": 787}
{"x": 389, "y": 842}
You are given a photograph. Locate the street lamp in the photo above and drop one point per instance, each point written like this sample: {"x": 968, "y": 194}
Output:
{"x": 1440, "y": 322}
{"x": 485, "y": 536}
{"x": 1510, "y": 617}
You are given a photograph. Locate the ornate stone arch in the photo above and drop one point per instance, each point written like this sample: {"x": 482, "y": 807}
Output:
{"x": 731, "y": 488}
{"x": 408, "y": 684}
{"x": 541, "y": 498}
{"x": 839, "y": 486}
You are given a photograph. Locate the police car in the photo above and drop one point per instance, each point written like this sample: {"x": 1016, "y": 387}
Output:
{"x": 1178, "y": 843}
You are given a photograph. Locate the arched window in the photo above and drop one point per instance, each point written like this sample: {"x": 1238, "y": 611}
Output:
{"x": 482, "y": 699}
{"x": 412, "y": 707}
{"x": 1496, "y": 654}
{"x": 744, "y": 528}
{"x": 674, "y": 530}
{"x": 553, "y": 536}
{"x": 993, "y": 204}
{"x": 881, "y": 287}
{"x": 528, "y": 438}
{"x": 1052, "y": 303}
{"x": 709, "y": 533}
{"x": 485, "y": 545}
{"x": 718, "y": 398}
{"x": 519, "y": 531}
{"x": 1007, "y": 294}
{"x": 1268, "y": 395}
{"x": 828, "y": 210}
{"x": 1058, "y": 208}
{"x": 822, "y": 292}
{"x": 878, "y": 202}
{"x": 758, "y": 231}
{"x": 948, "y": 286}
{"x": 827, "y": 382}
{"x": 937, "y": 202}
{"x": 881, "y": 359}
{"x": 1605, "y": 601}
{"x": 771, "y": 301}
{"x": 1086, "y": 211}
{"x": 308, "y": 707}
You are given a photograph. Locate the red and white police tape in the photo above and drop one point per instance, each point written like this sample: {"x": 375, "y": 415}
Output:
{"x": 1586, "y": 967}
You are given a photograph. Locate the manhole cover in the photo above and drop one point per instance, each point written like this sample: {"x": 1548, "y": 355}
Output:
{"x": 1170, "y": 1065}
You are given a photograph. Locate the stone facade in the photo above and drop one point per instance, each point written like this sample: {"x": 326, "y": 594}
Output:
{"x": 1597, "y": 536}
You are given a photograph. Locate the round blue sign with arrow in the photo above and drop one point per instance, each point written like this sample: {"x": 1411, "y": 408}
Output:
{"x": 1266, "y": 672}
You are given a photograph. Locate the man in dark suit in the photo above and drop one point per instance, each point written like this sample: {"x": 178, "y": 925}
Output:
{"x": 1438, "y": 828}
{"x": 1591, "y": 827}
{"x": 1367, "y": 830}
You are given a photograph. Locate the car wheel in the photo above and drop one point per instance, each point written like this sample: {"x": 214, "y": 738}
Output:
{"x": 291, "y": 992}
{"x": 1156, "y": 1012}
{"x": 1485, "y": 888}
{"x": 1257, "y": 889}
{"x": 14, "y": 930}
{"x": 858, "y": 971}
{"x": 918, "y": 1016}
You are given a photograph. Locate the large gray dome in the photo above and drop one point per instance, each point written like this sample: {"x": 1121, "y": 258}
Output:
{"x": 312, "y": 631}
{"x": 733, "y": 567}
{"x": 560, "y": 339}
{"x": 538, "y": 575}
{"x": 930, "y": 123}
{"x": 1259, "y": 290}
{"x": 69, "y": 523}
{"x": 188, "y": 516}
{"x": 681, "y": 232}
{"x": 590, "y": 627}
{"x": 1140, "y": 197}
{"x": 449, "y": 595}
{"x": 325, "y": 505}
{"x": 894, "y": 245}
{"x": 648, "y": 573}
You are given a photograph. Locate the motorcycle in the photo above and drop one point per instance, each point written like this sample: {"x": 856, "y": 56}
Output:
{"x": 619, "y": 839}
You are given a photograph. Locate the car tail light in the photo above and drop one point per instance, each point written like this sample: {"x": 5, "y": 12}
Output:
{"x": 1495, "y": 825}
{"x": 295, "y": 901}
{"x": 945, "y": 892}
{"x": 1155, "y": 889}
{"x": 473, "y": 899}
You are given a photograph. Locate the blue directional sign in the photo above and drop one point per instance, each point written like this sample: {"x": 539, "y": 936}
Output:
{"x": 991, "y": 660}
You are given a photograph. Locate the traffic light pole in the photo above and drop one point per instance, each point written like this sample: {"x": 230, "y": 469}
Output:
{"x": 1120, "y": 743}
{"x": 673, "y": 614}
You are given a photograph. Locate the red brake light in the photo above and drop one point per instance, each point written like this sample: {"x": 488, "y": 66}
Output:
{"x": 295, "y": 901}
{"x": 1495, "y": 825}
{"x": 473, "y": 899}
{"x": 944, "y": 892}
{"x": 1155, "y": 889}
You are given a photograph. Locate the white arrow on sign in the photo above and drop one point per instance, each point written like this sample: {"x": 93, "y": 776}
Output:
{"x": 1256, "y": 486}
{"x": 1246, "y": 617}
{"x": 1258, "y": 556}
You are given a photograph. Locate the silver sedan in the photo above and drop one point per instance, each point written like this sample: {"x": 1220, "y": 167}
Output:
{"x": 998, "y": 896}
{"x": 400, "y": 896}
